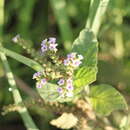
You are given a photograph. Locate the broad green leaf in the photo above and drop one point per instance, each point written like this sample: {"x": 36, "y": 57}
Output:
{"x": 86, "y": 45}
{"x": 65, "y": 121}
{"x": 29, "y": 62}
{"x": 83, "y": 77}
{"x": 49, "y": 93}
{"x": 105, "y": 99}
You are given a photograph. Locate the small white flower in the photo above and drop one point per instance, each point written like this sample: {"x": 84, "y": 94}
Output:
{"x": 61, "y": 82}
{"x": 60, "y": 90}
{"x": 69, "y": 87}
{"x": 43, "y": 81}
{"x": 52, "y": 40}
{"x": 36, "y": 75}
{"x": 39, "y": 85}
{"x": 44, "y": 48}
{"x": 52, "y": 47}
{"x": 66, "y": 62}
{"x": 15, "y": 39}
{"x": 76, "y": 63}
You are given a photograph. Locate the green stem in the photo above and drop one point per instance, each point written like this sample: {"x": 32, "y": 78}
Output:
{"x": 63, "y": 22}
{"x": 92, "y": 12}
{"x": 27, "y": 61}
{"x": 119, "y": 47}
{"x": 99, "y": 13}
{"x": 16, "y": 95}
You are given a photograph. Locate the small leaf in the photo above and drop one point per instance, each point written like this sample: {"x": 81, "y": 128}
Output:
{"x": 105, "y": 99}
{"x": 29, "y": 62}
{"x": 49, "y": 93}
{"x": 65, "y": 121}
{"x": 86, "y": 45}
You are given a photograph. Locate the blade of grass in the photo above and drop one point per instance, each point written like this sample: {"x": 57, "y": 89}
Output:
{"x": 27, "y": 61}
{"x": 28, "y": 122}
{"x": 63, "y": 22}
{"x": 119, "y": 14}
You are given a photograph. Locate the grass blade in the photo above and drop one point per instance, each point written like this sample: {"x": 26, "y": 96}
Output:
{"x": 29, "y": 62}
{"x": 99, "y": 13}
{"x": 28, "y": 122}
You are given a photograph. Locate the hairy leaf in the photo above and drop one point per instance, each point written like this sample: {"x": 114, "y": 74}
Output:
{"x": 105, "y": 99}
{"x": 49, "y": 93}
{"x": 86, "y": 45}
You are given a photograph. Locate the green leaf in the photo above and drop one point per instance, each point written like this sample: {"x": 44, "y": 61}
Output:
{"x": 29, "y": 62}
{"x": 83, "y": 77}
{"x": 86, "y": 45}
{"x": 49, "y": 93}
{"x": 105, "y": 99}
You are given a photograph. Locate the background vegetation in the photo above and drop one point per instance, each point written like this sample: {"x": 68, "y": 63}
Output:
{"x": 35, "y": 20}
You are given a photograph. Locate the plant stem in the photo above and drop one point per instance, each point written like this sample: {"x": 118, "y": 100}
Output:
{"x": 119, "y": 47}
{"x": 63, "y": 22}
{"x": 27, "y": 61}
{"x": 99, "y": 13}
{"x": 92, "y": 12}
{"x": 29, "y": 124}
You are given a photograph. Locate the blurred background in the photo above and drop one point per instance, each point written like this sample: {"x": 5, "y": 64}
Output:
{"x": 35, "y": 20}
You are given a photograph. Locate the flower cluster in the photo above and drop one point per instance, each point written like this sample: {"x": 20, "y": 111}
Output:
{"x": 59, "y": 70}
{"x": 49, "y": 45}
{"x": 37, "y": 75}
{"x": 41, "y": 83}
{"x": 73, "y": 60}
{"x": 65, "y": 87}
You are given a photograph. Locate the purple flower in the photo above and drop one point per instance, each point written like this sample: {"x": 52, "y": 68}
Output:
{"x": 52, "y": 40}
{"x": 44, "y": 48}
{"x": 71, "y": 55}
{"x": 69, "y": 87}
{"x": 76, "y": 63}
{"x": 39, "y": 85}
{"x": 61, "y": 82}
{"x": 36, "y": 75}
{"x": 60, "y": 90}
{"x": 66, "y": 62}
{"x": 43, "y": 81}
